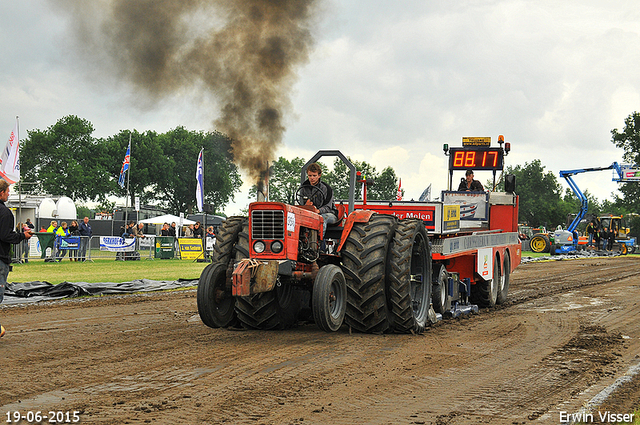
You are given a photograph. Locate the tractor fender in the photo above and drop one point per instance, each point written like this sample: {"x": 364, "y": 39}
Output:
{"x": 358, "y": 216}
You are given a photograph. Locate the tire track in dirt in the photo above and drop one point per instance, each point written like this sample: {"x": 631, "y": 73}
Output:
{"x": 149, "y": 358}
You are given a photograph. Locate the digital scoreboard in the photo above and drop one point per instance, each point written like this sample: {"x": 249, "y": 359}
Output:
{"x": 476, "y": 158}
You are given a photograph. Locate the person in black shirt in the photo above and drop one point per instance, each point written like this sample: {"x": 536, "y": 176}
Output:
{"x": 469, "y": 184}
{"x": 8, "y": 236}
{"x": 318, "y": 194}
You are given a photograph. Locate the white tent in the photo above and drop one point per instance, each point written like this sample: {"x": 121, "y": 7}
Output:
{"x": 167, "y": 218}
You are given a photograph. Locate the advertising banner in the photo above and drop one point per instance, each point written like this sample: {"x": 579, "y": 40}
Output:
{"x": 190, "y": 248}
{"x": 117, "y": 244}
{"x": 473, "y": 205}
{"x": 70, "y": 242}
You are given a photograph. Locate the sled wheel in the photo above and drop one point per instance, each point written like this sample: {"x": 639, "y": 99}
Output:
{"x": 485, "y": 292}
{"x": 439, "y": 296}
{"x": 503, "y": 288}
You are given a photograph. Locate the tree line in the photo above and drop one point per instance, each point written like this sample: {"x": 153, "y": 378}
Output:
{"x": 543, "y": 203}
{"x": 65, "y": 159}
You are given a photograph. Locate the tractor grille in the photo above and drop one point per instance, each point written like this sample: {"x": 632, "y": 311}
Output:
{"x": 267, "y": 224}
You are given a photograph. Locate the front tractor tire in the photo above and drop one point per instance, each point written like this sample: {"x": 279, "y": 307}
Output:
{"x": 409, "y": 278}
{"x": 329, "y": 298}
{"x": 364, "y": 259}
{"x": 215, "y": 303}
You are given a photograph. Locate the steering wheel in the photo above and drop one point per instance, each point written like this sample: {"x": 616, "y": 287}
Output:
{"x": 316, "y": 193}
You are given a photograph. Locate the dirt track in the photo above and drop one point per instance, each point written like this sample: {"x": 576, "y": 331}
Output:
{"x": 569, "y": 330}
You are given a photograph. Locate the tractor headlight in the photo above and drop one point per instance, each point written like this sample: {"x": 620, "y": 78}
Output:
{"x": 259, "y": 247}
{"x": 276, "y": 247}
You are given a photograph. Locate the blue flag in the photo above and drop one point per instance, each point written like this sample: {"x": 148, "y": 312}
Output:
{"x": 125, "y": 166}
{"x": 200, "y": 182}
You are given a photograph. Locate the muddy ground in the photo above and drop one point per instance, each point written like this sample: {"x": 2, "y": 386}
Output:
{"x": 569, "y": 330}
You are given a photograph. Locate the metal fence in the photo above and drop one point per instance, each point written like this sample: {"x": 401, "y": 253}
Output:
{"x": 48, "y": 247}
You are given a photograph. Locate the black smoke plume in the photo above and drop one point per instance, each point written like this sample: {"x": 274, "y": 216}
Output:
{"x": 243, "y": 52}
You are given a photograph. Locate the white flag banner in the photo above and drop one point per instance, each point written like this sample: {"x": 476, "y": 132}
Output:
{"x": 200, "y": 182}
{"x": 10, "y": 158}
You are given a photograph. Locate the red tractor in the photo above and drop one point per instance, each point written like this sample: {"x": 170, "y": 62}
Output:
{"x": 268, "y": 268}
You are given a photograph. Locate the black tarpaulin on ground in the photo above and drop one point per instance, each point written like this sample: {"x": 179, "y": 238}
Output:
{"x": 28, "y": 292}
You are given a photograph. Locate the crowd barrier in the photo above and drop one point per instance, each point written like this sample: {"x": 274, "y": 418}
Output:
{"x": 49, "y": 247}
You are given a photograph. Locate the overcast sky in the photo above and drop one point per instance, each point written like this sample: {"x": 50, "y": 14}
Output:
{"x": 388, "y": 82}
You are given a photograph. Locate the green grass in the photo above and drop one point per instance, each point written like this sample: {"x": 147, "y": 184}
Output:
{"x": 534, "y": 254}
{"x": 104, "y": 270}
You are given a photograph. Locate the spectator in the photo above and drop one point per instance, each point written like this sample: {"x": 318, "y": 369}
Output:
{"x": 25, "y": 243}
{"x": 137, "y": 231}
{"x": 612, "y": 238}
{"x": 7, "y": 237}
{"x": 197, "y": 231}
{"x": 74, "y": 230}
{"x": 22, "y": 246}
{"x": 129, "y": 232}
{"x": 165, "y": 230}
{"x": 172, "y": 229}
{"x": 85, "y": 235}
{"x": 30, "y": 224}
{"x": 605, "y": 238}
{"x": 591, "y": 229}
{"x": 210, "y": 239}
{"x": 61, "y": 232}
{"x": 53, "y": 227}
{"x": 188, "y": 231}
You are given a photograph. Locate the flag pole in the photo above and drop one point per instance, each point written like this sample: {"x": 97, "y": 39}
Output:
{"x": 19, "y": 180}
{"x": 126, "y": 210}
{"x": 204, "y": 217}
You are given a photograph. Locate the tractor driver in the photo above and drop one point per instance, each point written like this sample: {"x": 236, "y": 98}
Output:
{"x": 469, "y": 184}
{"x": 324, "y": 204}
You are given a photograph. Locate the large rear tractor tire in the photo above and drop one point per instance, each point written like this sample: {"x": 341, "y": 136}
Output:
{"x": 540, "y": 243}
{"x": 276, "y": 309}
{"x": 215, "y": 303}
{"x": 409, "y": 278}
{"x": 503, "y": 288}
{"x": 329, "y": 302}
{"x": 227, "y": 238}
{"x": 364, "y": 259}
{"x": 273, "y": 310}
{"x": 485, "y": 292}
{"x": 214, "y": 299}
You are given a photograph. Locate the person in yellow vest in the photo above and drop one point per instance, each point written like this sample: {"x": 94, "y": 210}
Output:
{"x": 61, "y": 232}
{"x": 53, "y": 227}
